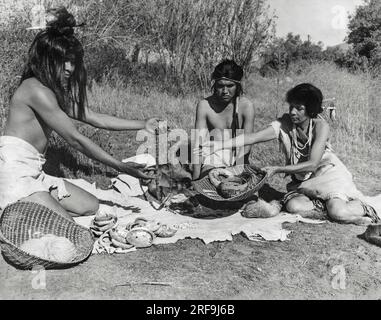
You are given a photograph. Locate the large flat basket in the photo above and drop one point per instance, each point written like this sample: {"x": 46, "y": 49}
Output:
{"x": 256, "y": 181}
{"x": 22, "y": 221}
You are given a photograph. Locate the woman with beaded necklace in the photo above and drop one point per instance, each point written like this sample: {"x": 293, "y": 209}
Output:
{"x": 319, "y": 179}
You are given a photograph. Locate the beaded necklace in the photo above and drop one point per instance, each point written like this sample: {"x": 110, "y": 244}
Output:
{"x": 297, "y": 151}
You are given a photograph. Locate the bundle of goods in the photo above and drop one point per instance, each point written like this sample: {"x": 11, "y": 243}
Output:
{"x": 261, "y": 209}
{"x": 102, "y": 222}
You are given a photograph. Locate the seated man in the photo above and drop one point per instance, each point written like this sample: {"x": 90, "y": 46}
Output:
{"x": 224, "y": 109}
{"x": 52, "y": 91}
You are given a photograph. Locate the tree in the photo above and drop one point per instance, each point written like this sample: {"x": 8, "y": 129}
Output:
{"x": 365, "y": 31}
{"x": 181, "y": 40}
{"x": 290, "y": 49}
{"x": 193, "y": 35}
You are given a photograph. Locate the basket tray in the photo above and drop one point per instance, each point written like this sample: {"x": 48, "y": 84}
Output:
{"x": 257, "y": 179}
{"x": 22, "y": 221}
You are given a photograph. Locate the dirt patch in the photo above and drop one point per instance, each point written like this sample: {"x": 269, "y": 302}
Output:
{"x": 327, "y": 261}
{"x": 301, "y": 268}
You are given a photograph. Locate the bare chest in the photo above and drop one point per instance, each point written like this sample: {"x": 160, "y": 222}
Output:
{"x": 27, "y": 125}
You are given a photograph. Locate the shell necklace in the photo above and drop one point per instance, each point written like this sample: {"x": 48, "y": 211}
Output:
{"x": 304, "y": 150}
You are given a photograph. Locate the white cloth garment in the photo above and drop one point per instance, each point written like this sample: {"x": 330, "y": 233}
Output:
{"x": 21, "y": 172}
{"x": 331, "y": 180}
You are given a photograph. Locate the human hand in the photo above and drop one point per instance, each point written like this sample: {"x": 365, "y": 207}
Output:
{"x": 271, "y": 170}
{"x": 207, "y": 148}
{"x": 134, "y": 169}
{"x": 152, "y": 124}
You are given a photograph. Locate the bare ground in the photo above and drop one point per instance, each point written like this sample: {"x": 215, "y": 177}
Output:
{"x": 301, "y": 268}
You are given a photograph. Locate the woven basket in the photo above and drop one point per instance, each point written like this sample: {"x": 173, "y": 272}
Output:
{"x": 22, "y": 221}
{"x": 207, "y": 189}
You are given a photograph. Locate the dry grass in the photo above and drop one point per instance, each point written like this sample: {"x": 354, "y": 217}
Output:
{"x": 356, "y": 135}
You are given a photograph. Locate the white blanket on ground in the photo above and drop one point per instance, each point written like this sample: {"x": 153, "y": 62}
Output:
{"x": 127, "y": 207}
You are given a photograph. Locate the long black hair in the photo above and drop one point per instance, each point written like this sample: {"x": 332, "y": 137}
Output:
{"x": 47, "y": 55}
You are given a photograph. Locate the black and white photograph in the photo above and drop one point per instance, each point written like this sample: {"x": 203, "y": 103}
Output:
{"x": 189, "y": 150}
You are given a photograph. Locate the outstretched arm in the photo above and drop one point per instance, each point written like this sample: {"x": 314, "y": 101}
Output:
{"x": 108, "y": 122}
{"x": 251, "y": 138}
{"x": 45, "y": 104}
{"x": 317, "y": 151}
{"x": 240, "y": 141}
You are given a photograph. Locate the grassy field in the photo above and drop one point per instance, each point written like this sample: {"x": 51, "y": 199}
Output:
{"x": 356, "y": 134}
{"x": 297, "y": 269}
{"x": 301, "y": 268}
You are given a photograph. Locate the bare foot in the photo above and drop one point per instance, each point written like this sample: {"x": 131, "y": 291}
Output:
{"x": 362, "y": 221}
{"x": 313, "y": 214}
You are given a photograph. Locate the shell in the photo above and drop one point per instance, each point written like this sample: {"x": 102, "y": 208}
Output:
{"x": 102, "y": 215}
{"x": 165, "y": 232}
{"x": 140, "y": 237}
{"x": 99, "y": 230}
{"x": 151, "y": 225}
{"x": 96, "y": 232}
{"x": 120, "y": 232}
{"x": 102, "y": 223}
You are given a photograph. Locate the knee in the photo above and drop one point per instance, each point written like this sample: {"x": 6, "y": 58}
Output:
{"x": 299, "y": 205}
{"x": 90, "y": 208}
{"x": 338, "y": 213}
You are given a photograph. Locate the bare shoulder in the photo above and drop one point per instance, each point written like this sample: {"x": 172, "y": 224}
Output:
{"x": 321, "y": 124}
{"x": 203, "y": 106}
{"x": 35, "y": 94}
{"x": 246, "y": 106}
{"x": 29, "y": 87}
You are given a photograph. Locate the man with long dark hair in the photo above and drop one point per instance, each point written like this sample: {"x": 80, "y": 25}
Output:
{"x": 222, "y": 114}
{"x": 53, "y": 90}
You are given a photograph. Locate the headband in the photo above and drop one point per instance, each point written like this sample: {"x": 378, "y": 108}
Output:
{"x": 225, "y": 78}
